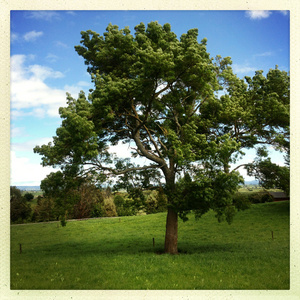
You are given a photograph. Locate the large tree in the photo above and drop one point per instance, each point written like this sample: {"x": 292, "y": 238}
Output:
{"x": 159, "y": 94}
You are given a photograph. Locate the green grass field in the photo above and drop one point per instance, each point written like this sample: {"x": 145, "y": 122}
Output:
{"x": 118, "y": 253}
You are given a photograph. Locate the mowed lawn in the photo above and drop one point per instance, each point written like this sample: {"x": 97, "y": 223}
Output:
{"x": 118, "y": 253}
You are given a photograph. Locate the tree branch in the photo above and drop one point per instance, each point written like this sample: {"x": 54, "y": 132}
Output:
{"x": 143, "y": 150}
{"x": 242, "y": 165}
{"x": 113, "y": 171}
{"x": 153, "y": 142}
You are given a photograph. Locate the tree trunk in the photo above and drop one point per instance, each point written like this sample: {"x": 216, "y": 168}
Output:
{"x": 172, "y": 216}
{"x": 171, "y": 232}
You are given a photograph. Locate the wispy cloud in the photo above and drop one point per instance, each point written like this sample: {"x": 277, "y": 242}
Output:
{"x": 242, "y": 69}
{"x": 14, "y": 37}
{"x": 71, "y": 12}
{"x": 43, "y": 15}
{"x": 17, "y": 132}
{"x": 263, "y": 14}
{"x": 284, "y": 12}
{"x": 30, "y": 144}
{"x": 32, "y": 35}
{"x": 258, "y": 14}
{"x": 61, "y": 44}
{"x": 52, "y": 58}
{"x": 264, "y": 54}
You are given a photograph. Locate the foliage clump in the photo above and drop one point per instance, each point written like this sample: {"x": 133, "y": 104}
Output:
{"x": 156, "y": 202}
{"x": 20, "y": 210}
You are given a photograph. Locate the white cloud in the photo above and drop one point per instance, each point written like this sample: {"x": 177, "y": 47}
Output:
{"x": 25, "y": 172}
{"x": 43, "y": 72}
{"x": 121, "y": 150}
{"x": 242, "y": 69}
{"x": 17, "y": 132}
{"x": 258, "y": 14}
{"x": 71, "y": 12}
{"x": 28, "y": 89}
{"x": 32, "y": 35}
{"x": 76, "y": 88}
{"x": 43, "y": 15}
{"x": 52, "y": 57}
{"x": 14, "y": 37}
{"x": 284, "y": 12}
{"x": 61, "y": 44}
{"x": 268, "y": 53}
{"x": 30, "y": 144}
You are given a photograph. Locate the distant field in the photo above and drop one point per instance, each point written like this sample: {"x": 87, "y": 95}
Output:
{"x": 118, "y": 253}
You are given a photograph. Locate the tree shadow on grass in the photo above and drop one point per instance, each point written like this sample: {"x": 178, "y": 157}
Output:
{"x": 132, "y": 247}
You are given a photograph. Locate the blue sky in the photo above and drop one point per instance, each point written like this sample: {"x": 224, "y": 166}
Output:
{"x": 44, "y": 64}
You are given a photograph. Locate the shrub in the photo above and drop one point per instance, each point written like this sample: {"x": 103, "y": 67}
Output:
{"x": 20, "y": 210}
{"x": 259, "y": 197}
{"x": 162, "y": 200}
{"x": 241, "y": 201}
{"x": 138, "y": 198}
{"x": 45, "y": 210}
{"x": 119, "y": 201}
{"x": 124, "y": 207}
{"x": 151, "y": 203}
{"x": 110, "y": 208}
{"x": 156, "y": 202}
{"x": 63, "y": 221}
{"x": 28, "y": 196}
{"x": 128, "y": 208}
{"x": 97, "y": 210}
{"x": 89, "y": 197}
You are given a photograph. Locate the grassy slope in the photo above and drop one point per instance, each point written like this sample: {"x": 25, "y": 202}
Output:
{"x": 118, "y": 253}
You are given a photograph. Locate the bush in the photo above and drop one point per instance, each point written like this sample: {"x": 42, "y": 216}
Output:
{"x": 241, "y": 201}
{"x": 110, "y": 208}
{"x": 63, "y": 221}
{"x": 124, "y": 207}
{"x": 44, "y": 211}
{"x": 119, "y": 201}
{"x": 97, "y": 210}
{"x": 138, "y": 198}
{"x": 28, "y": 196}
{"x": 156, "y": 202}
{"x": 151, "y": 203}
{"x": 20, "y": 210}
{"x": 259, "y": 197}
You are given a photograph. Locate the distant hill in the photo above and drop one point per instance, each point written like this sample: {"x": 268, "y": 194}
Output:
{"x": 29, "y": 188}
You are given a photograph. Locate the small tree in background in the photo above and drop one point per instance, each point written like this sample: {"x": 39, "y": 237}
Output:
{"x": 28, "y": 196}
{"x": 110, "y": 208}
{"x": 45, "y": 210}
{"x": 270, "y": 175}
{"x": 156, "y": 201}
{"x": 20, "y": 209}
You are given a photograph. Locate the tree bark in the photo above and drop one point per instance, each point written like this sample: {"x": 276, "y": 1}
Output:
{"x": 172, "y": 216}
{"x": 171, "y": 232}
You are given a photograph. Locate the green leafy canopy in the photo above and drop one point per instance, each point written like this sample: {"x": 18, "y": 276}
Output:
{"x": 159, "y": 94}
